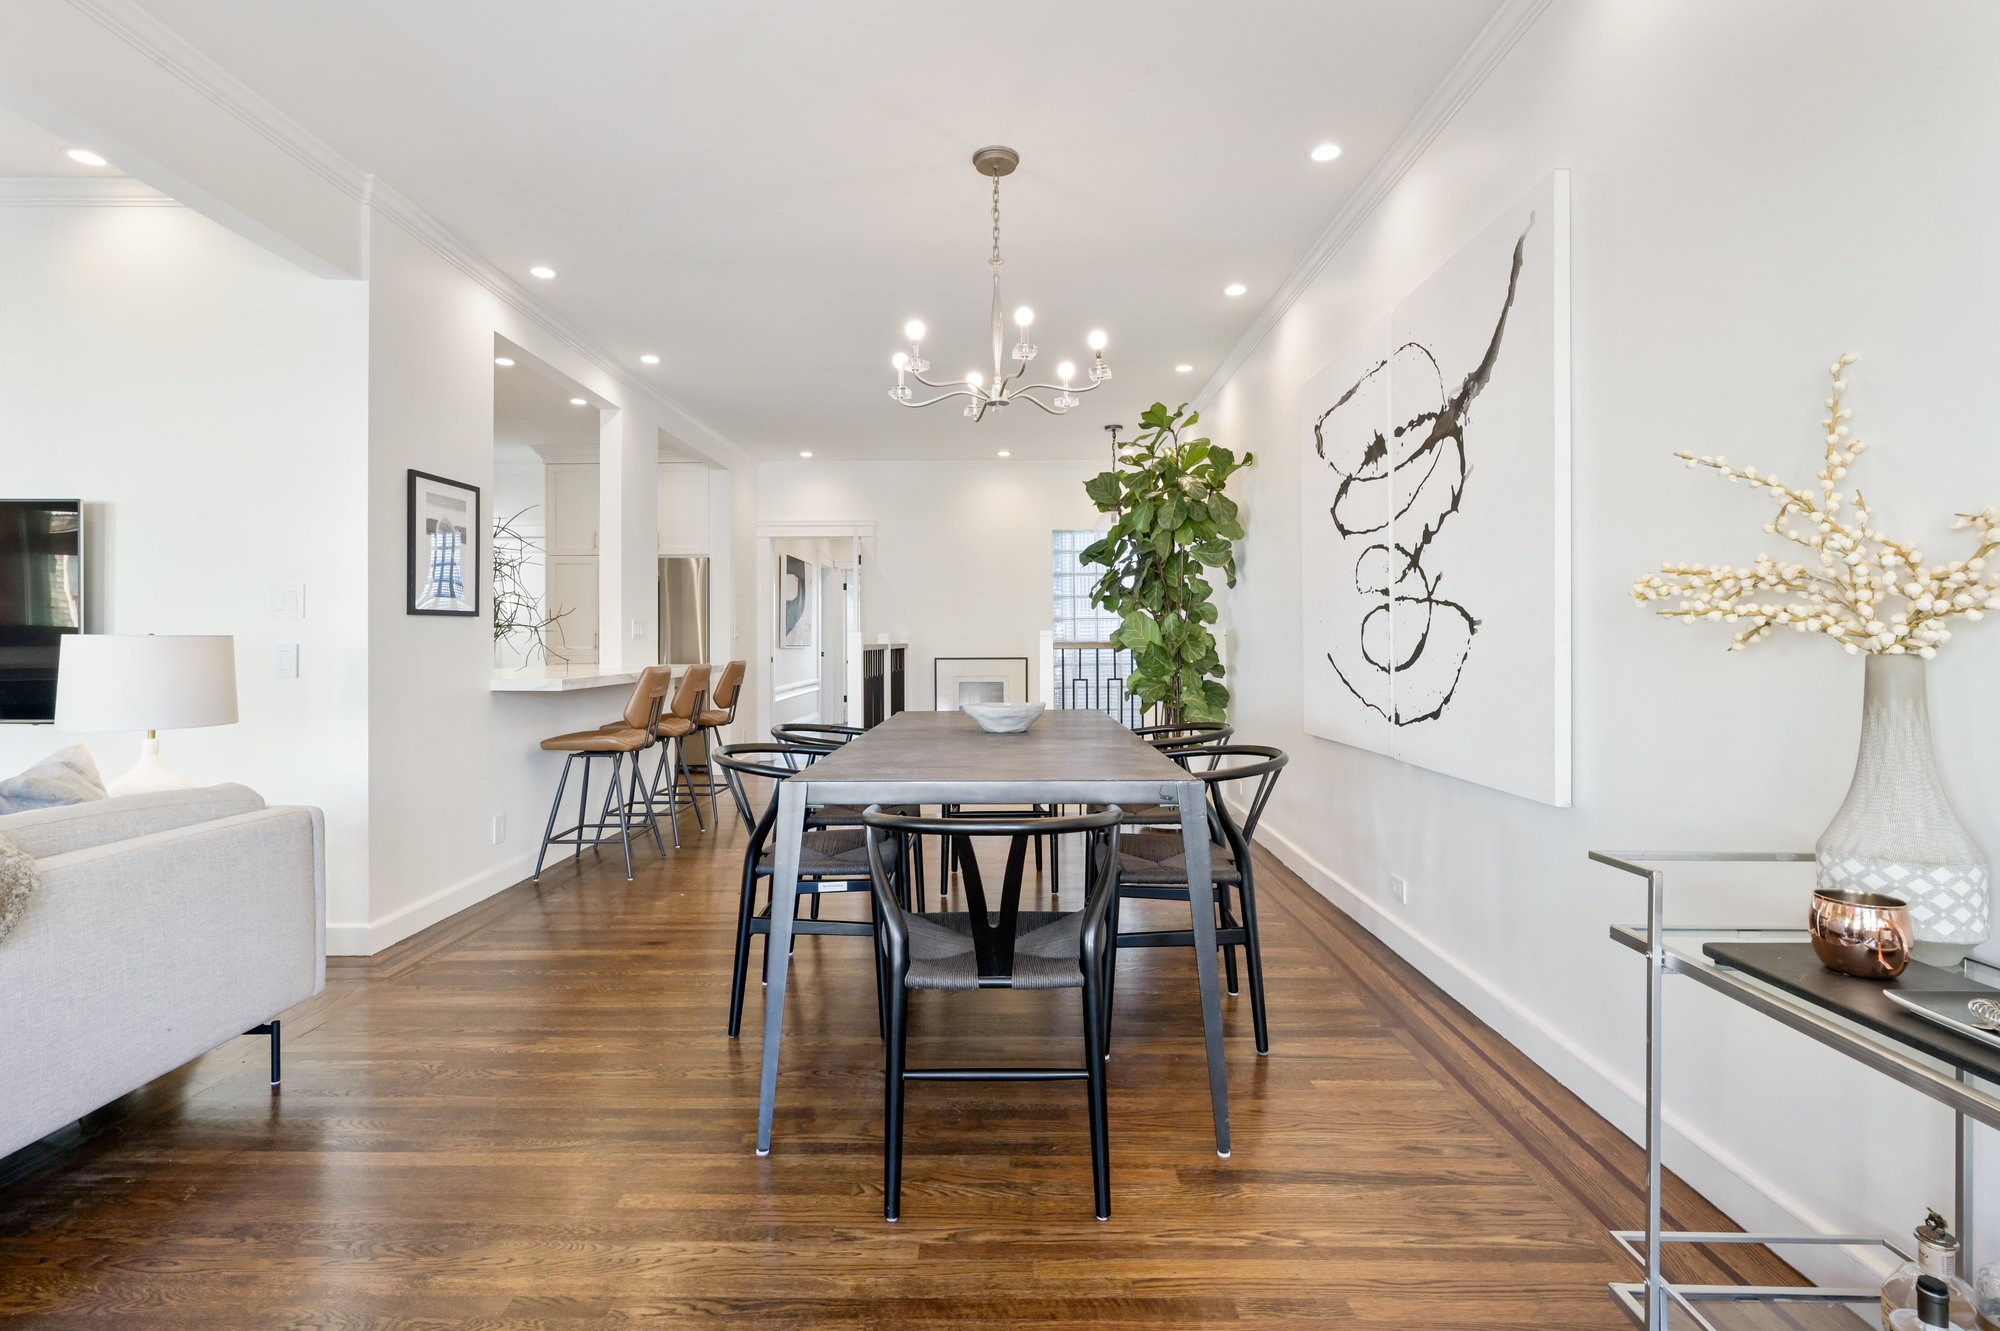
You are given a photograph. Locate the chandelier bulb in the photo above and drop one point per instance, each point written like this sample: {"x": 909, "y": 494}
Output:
{"x": 1097, "y": 340}
{"x": 1024, "y": 316}
{"x": 1066, "y": 372}
{"x": 914, "y": 330}
{"x": 901, "y": 361}
{"x": 975, "y": 379}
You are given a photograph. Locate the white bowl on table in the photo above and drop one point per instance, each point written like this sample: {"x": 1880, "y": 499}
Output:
{"x": 1003, "y": 718}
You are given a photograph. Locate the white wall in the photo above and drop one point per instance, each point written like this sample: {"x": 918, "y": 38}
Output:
{"x": 960, "y": 561}
{"x": 207, "y": 401}
{"x": 1757, "y": 188}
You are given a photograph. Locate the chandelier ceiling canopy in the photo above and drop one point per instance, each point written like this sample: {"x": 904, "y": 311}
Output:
{"x": 1004, "y": 387}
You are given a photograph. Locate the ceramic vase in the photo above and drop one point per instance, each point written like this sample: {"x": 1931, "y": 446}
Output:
{"x": 1896, "y": 833}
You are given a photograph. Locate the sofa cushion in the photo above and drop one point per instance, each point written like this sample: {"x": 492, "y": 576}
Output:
{"x": 18, "y": 880}
{"x": 47, "y": 832}
{"x": 67, "y": 776}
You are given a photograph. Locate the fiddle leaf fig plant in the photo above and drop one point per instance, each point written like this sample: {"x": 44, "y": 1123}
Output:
{"x": 1173, "y": 522}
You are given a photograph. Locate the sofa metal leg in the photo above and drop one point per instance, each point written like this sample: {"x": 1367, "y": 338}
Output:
{"x": 270, "y": 1028}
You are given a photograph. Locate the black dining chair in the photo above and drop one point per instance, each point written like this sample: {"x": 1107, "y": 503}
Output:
{"x": 831, "y": 860}
{"x": 995, "y": 945}
{"x": 1152, "y": 865}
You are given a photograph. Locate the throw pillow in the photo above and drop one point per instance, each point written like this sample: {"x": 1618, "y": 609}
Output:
{"x": 18, "y": 880}
{"x": 67, "y": 776}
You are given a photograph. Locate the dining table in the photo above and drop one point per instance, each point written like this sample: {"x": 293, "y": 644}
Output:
{"x": 944, "y": 757}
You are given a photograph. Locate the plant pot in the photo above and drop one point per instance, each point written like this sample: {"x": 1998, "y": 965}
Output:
{"x": 1896, "y": 833}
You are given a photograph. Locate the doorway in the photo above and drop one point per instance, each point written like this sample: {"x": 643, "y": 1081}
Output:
{"x": 836, "y": 591}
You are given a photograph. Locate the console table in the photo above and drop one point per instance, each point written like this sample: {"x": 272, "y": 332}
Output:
{"x": 1765, "y": 971}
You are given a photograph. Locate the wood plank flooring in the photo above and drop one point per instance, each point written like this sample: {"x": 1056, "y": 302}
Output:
{"x": 530, "y": 1116}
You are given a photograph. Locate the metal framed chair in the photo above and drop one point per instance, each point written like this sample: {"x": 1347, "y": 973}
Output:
{"x": 824, "y": 737}
{"x": 831, "y": 860}
{"x": 821, "y": 735}
{"x": 675, "y": 724}
{"x": 629, "y": 736}
{"x": 987, "y": 948}
{"x": 1153, "y": 866}
{"x": 723, "y": 695}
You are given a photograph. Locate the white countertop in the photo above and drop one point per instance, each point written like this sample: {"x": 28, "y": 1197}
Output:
{"x": 560, "y": 678}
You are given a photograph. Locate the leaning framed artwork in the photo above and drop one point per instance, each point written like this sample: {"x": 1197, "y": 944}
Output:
{"x": 1435, "y": 497}
{"x": 798, "y": 588}
{"x": 443, "y": 545}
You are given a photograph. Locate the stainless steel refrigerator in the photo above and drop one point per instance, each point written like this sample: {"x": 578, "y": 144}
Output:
{"x": 684, "y": 609}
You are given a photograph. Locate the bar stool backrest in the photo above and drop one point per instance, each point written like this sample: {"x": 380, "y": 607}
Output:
{"x": 642, "y": 709}
{"x": 727, "y": 686}
{"x": 688, "y": 696}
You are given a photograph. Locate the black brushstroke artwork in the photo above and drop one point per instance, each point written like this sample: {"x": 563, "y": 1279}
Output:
{"x": 1414, "y": 636}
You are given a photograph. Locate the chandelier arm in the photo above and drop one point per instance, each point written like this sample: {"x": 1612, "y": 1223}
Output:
{"x": 1023, "y": 396}
{"x": 932, "y": 383}
{"x": 1060, "y": 388}
{"x": 956, "y": 392}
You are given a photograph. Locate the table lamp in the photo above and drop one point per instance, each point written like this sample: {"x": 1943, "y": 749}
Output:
{"x": 116, "y": 681}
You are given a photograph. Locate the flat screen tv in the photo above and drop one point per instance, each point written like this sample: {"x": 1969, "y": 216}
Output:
{"x": 41, "y": 599}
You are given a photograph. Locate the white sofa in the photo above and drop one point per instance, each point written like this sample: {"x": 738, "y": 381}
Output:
{"x": 165, "y": 925}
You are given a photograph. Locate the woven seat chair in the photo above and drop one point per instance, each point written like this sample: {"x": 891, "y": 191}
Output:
{"x": 831, "y": 860}
{"x": 1152, "y": 865}
{"x": 995, "y": 945}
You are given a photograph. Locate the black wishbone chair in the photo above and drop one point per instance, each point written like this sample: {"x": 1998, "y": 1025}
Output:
{"x": 821, "y": 735}
{"x": 996, "y": 946}
{"x": 824, "y": 737}
{"x": 831, "y": 860}
{"x": 1152, "y": 865}
{"x": 1183, "y": 743}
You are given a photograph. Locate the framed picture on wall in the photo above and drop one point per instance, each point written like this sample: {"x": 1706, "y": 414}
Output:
{"x": 443, "y": 537}
{"x": 962, "y": 679}
{"x": 798, "y": 592}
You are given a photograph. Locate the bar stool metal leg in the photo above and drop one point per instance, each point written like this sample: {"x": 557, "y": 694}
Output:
{"x": 555, "y": 807}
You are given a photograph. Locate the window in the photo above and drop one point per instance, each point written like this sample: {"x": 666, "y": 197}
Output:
{"x": 1076, "y": 619}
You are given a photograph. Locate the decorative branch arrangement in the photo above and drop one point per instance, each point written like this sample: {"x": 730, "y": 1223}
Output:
{"x": 515, "y": 610}
{"x": 1847, "y": 593}
{"x": 1173, "y": 520}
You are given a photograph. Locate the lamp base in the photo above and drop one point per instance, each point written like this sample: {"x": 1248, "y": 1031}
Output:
{"x": 149, "y": 774}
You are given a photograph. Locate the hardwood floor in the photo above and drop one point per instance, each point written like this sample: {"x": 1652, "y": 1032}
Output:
{"x": 530, "y": 1116}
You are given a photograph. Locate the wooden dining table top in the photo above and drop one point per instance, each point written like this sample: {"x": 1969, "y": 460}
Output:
{"x": 948, "y": 748}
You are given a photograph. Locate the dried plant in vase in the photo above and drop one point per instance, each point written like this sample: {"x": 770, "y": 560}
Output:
{"x": 516, "y": 610}
{"x": 1896, "y": 833}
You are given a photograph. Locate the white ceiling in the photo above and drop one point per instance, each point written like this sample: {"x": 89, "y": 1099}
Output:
{"x": 26, "y": 149}
{"x": 762, "y": 193}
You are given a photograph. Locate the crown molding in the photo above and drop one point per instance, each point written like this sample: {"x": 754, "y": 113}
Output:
{"x": 81, "y": 192}
{"x": 173, "y": 53}
{"x": 1506, "y": 28}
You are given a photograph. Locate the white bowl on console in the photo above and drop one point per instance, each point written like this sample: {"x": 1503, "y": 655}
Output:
{"x": 1003, "y": 718}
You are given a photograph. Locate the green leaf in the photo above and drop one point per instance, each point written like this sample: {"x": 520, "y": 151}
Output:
{"x": 1103, "y": 490}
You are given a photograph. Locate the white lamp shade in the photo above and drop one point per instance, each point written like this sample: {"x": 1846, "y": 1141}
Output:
{"x": 115, "y": 681}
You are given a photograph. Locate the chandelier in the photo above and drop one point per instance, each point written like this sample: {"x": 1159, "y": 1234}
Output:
{"x": 1004, "y": 388}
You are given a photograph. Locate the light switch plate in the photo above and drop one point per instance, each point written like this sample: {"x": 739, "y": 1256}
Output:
{"x": 288, "y": 600}
{"x": 288, "y": 660}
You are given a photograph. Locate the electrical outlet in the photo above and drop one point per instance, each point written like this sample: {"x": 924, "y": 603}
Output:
{"x": 288, "y": 600}
{"x": 288, "y": 660}
{"x": 1399, "y": 888}
{"x": 499, "y": 828}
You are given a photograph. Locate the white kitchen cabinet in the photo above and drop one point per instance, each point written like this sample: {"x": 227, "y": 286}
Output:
{"x": 572, "y": 586}
{"x": 572, "y": 508}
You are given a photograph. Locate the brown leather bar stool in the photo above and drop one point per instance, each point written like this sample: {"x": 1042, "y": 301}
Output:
{"x": 675, "y": 724}
{"x": 631, "y": 734}
{"x": 720, "y": 712}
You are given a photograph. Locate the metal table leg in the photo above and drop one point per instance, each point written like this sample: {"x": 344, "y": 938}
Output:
{"x": 778, "y": 946}
{"x": 1656, "y": 976}
{"x": 1192, "y": 798}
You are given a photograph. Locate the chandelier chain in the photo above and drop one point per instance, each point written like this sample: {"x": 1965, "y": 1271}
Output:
{"x": 995, "y": 260}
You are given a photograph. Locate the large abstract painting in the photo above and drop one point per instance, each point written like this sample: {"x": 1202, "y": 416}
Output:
{"x": 1436, "y": 517}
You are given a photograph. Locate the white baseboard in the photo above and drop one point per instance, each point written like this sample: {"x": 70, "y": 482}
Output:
{"x": 364, "y": 940}
{"x": 1743, "y": 1194}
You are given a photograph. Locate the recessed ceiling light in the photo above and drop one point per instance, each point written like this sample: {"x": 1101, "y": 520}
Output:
{"x": 86, "y": 156}
{"x": 1183, "y": 369}
{"x": 503, "y": 362}
{"x": 542, "y": 271}
{"x": 1005, "y": 454}
{"x": 1234, "y": 289}
{"x": 804, "y": 454}
{"x": 1326, "y": 152}
{"x": 578, "y": 402}
{"x": 649, "y": 359}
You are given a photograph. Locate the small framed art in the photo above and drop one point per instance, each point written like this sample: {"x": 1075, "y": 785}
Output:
{"x": 443, "y": 536}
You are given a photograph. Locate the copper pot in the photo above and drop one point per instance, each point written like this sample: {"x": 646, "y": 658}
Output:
{"x": 1862, "y": 933}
